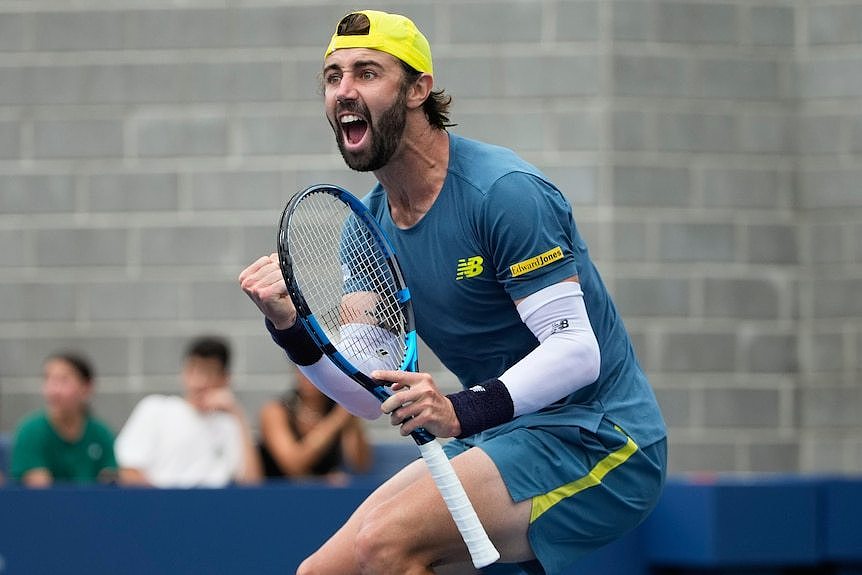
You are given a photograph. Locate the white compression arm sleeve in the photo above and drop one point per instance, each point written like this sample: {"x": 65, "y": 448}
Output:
{"x": 333, "y": 382}
{"x": 568, "y": 356}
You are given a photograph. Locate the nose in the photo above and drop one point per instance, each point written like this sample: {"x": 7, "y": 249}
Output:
{"x": 346, "y": 89}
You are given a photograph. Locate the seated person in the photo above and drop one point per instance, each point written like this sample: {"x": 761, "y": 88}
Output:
{"x": 306, "y": 434}
{"x": 63, "y": 442}
{"x": 199, "y": 440}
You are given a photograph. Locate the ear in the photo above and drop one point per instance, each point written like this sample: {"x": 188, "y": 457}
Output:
{"x": 419, "y": 91}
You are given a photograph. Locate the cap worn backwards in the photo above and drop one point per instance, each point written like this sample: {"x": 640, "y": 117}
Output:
{"x": 390, "y": 33}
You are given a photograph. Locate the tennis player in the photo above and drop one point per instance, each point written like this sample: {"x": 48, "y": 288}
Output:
{"x": 559, "y": 441}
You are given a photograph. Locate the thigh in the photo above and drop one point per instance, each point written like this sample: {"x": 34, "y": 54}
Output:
{"x": 409, "y": 513}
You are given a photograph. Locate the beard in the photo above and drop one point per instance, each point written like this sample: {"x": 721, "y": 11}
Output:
{"x": 385, "y": 133}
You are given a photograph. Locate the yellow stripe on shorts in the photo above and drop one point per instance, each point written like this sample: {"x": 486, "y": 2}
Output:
{"x": 542, "y": 503}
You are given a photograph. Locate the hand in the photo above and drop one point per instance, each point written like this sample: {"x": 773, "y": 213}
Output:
{"x": 219, "y": 399}
{"x": 263, "y": 283}
{"x": 417, "y": 402}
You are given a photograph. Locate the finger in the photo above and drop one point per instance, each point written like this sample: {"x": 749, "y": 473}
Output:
{"x": 253, "y": 268}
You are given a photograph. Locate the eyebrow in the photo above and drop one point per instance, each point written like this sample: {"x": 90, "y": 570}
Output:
{"x": 356, "y": 65}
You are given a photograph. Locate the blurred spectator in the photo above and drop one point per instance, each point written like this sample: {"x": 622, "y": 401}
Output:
{"x": 306, "y": 434}
{"x": 63, "y": 442}
{"x": 199, "y": 440}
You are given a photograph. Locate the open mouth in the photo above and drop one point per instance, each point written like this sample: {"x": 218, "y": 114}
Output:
{"x": 354, "y": 128}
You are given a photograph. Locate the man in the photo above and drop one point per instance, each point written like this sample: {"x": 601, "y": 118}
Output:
{"x": 199, "y": 440}
{"x": 560, "y": 443}
{"x": 63, "y": 442}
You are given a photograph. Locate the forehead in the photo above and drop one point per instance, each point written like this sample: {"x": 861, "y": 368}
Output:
{"x": 346, "y": 58}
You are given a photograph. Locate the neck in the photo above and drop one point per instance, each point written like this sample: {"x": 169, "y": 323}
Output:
{"x": 67, "y": 424}
{"x": 415, "y": 175}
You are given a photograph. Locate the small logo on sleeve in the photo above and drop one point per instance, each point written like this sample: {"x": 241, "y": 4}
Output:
{"x": 469, "y": 267}
{"x": 537, "y": 262}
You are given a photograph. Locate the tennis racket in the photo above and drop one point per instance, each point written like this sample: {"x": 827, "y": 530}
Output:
{"x": 349, "y": 293}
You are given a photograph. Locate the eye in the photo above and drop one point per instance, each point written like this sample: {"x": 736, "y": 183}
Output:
{"x": 367, "y": 75}
{"x": 332, "y": 78}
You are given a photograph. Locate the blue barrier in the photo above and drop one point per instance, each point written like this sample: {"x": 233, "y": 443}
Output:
{"x": 724, "y": 526}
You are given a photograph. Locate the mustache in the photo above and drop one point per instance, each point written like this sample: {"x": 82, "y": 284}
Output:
{"x": 351, "y": 107}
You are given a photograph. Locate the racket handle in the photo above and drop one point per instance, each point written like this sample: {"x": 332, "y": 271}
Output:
{"x": 482, "y": 551}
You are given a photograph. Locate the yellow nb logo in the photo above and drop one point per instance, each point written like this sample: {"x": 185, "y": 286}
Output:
{"x": 469, "y": 267}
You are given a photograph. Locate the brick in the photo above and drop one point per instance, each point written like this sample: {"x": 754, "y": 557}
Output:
{"x": 768, "y": 133}
{"x": 22, "y": 356}
{"x": 692, "y": 132}
{"x": 753, "y": 408}
{"x": 176, "y": 28}
{"x": 749, "y": 188}
{"x": 834, "y": 78}
{"x": 697, "y": 242}
{"x": 820, "y": 134}
{"x": 133, "y": 301}
{"x": 737, "y": 79}
{"x": 78, "y": 139}
{"x": 773, "y": 26}
{"x": 515, "y": 130}
{"x": 830, "y": 407}
{"x": 529, "y": 76}
{"x": 634, "y": 21}
{"x": 630, "y": 241}
{"x": 630, "y": 131}
{"x": 837, "y": 188}
{"x": 578, "y": 183}
{"x": 15, "y": 250}
{"x": 825, "y": 353}
{"x": 704, "y": 456}
{"x": 838, "y": 298}
{"x": 771, "y": 353}
{"x": 220, "y": 299}
{"x": 651, "y": 186}
{"x": 698, "y": 352}
{"x": 696, "y": 23}
{"x": 675, "y": 406}
{"x": 464, "y": 76}
{"x": 577, "y": 21}
{"x": 286, "y": 135}
{"x": 773, "y": 244}
{"x": 740, "y": 298}
{"x": 36, "y": 193}
{"x": 11, "y": 32}
{"x": 10, "y": 140}
{"x": 501, "y": 21}
{"x": 162, "y": 355}
{"x": 577, "y": 130}
{"x": 30, "y": 302}
{"x": 288, "y": 26}
{"x": 827, "y": 245}
{"x": 166, "y": 137}
{"x": 187, "y": 246}
{"x": 653, "y": 297}
{"x": 133, "y": 192}
{"x": 66, "y": 247}
{"x": 835, "y": 24}
{"x": 237, "y": 191}
{"x": 773, "y": 457}
{"x": 66, "y": 31}
{"x": 651, "y": 76}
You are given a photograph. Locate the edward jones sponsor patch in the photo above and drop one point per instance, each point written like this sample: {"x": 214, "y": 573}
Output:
{"x": 537, "y": 262}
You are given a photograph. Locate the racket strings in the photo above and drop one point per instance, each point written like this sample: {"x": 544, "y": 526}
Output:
{"x": 347, "y": 282}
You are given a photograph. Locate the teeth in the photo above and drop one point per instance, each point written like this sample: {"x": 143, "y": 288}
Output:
{"x": 350, "y": 118}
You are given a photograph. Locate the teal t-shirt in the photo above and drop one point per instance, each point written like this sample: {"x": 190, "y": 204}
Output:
{"x": 500, "y": 231}
{"x": 37, "y": 445}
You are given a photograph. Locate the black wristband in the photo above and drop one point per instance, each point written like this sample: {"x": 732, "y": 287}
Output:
{"x": 482, "y": 406}
{"x": 299, "y": 346}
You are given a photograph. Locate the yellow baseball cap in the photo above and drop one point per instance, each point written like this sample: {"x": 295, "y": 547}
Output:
{"x": 390, "y": 33}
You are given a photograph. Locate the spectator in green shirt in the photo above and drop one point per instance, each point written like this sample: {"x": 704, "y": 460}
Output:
{"x": 63, "y": 442}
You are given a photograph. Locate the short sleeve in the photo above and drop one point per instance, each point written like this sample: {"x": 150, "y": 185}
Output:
{"x": 136, "y": 443}
{"x": 529, "y": 233}
{"x": 28, "y": 449}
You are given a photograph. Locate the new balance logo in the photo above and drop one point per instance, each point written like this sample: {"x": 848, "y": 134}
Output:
{"x": 469, "y": 267}
{"x": 561, "y": 325}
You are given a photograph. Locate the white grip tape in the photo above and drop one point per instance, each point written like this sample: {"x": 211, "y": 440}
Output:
{"x": 482, "y": 551}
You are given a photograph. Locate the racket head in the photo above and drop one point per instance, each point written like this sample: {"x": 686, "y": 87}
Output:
{"x": 345, "y": 282}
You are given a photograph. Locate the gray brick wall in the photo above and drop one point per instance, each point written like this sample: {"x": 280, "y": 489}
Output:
{"x": 712, "y": 151}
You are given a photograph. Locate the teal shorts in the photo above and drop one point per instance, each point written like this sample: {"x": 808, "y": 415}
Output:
{"x": 587, "y": 488}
